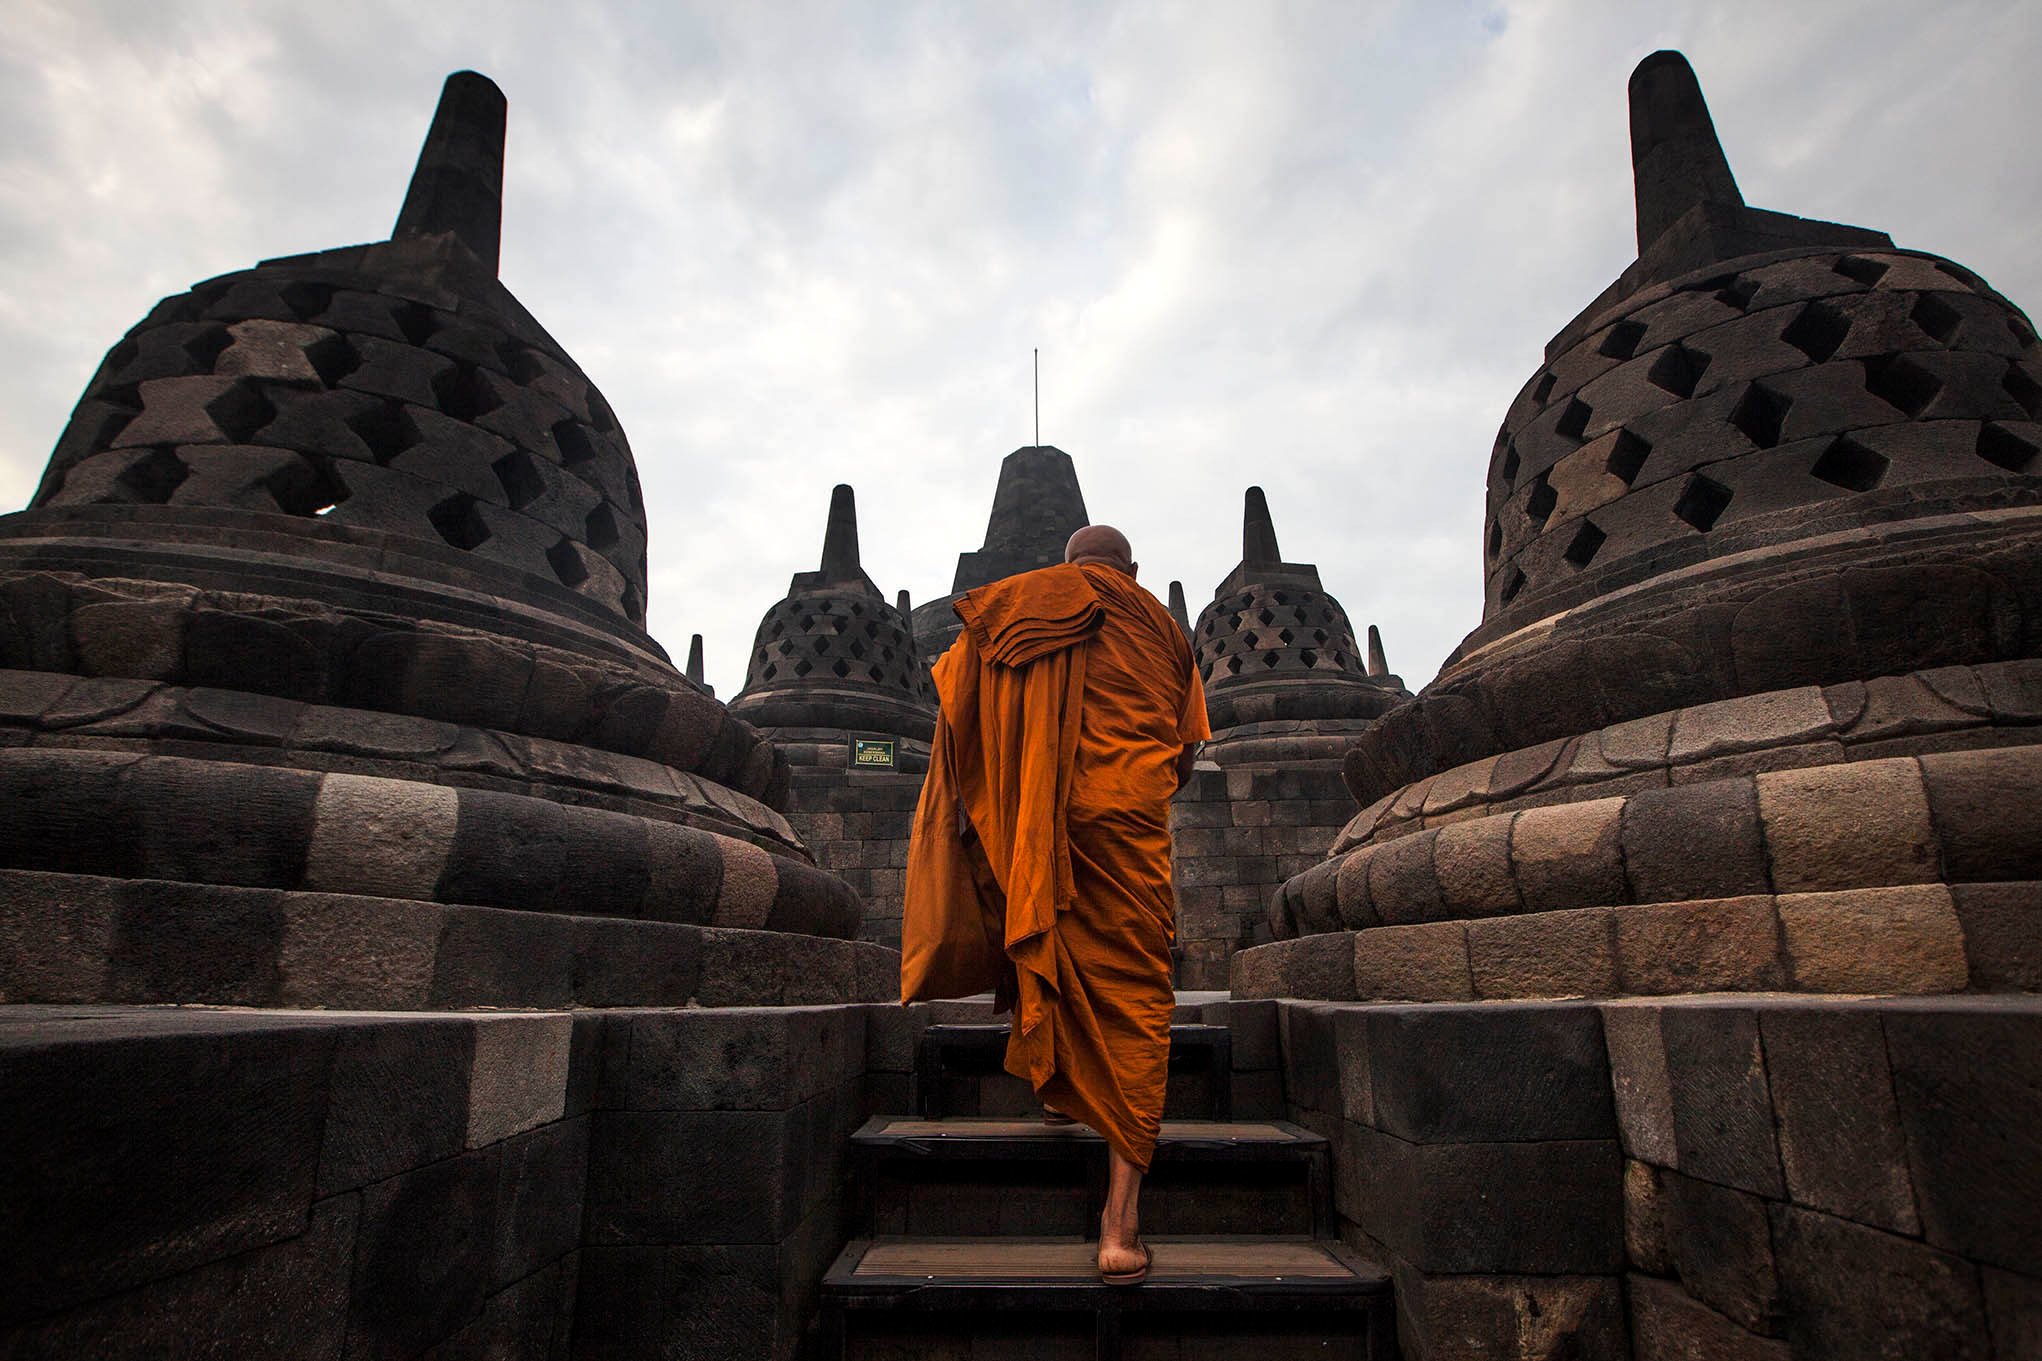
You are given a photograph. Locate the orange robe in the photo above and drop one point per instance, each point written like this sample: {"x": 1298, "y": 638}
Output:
{"x": 1040, "y": 864}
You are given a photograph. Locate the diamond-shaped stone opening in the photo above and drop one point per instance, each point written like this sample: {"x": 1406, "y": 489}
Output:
{"x": 1627, "y": 456}
{"x": 769, "y": 672}
{"x": 521, "y": 362}
{"x": 1270, "y": 659}
{"x": 240, "y": 411}
{"x": 802, "y": 668}
{"x": 571, "y": 437}
{"x": 1850, "y": 465}
{"x": 305, "y": 298}
{"x": 632, "y": 601}
{"x": 521, "y": 479}
{"x": 205, "y": 347}
{"x": 1495, "y": 537}
{"x": 1702, "y": 502}
{"x": 1539, "y": 505}
{"x": 1622, "y": 340}
{"x": 2020, "y": 385}
{"x": 1586, "y": 543}
{"x": 332, "y": 358}
{"x": 1901, "y": 383}
{"x": 2021, "y": 331}
{"x": 1513, "y": 582}
{"x": 1761, "y": 414}
{"x": 458, "y": 521}
{"x": 306, "y": 487}
{"x": 154, "y": 476}
{"x": 1510, "y": 466}
{"x": 385, "y": 428}
{"x": 416, "y": 322}
{"x": 1937, "y": 319}
{"x": 1861, "y": 270}
{"x": 602, "y": 529}
{"x": 841, "y": 667}
{"x": 1817, "y": 330}
{"x": 1678, "y": 370}
{"x": 1543, "y": 388}
{"x": 1961, "y": 275}
{"x": 633, "y": 490}
{"x": 1738, "y": 293}
{"x": 600, "y": 415}
{"x": 463, "y": 393}
{"x": 1233, "y": 666}
{"x": 1574, "y": 420}
{"x": 1286, "y": 637}
{"x": 2002, "y": 447}
{"x": 1309, "y": 657}
{"x": 1280, "y": 598}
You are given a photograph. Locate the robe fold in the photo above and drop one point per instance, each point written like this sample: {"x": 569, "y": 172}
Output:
{"x": 1039, "y": 867}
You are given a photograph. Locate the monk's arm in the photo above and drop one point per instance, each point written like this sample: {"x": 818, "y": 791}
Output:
{"x": 1184, "y": 761}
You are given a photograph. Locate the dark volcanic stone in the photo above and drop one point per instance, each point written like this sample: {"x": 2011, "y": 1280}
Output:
{"x": 423, "y": 1255}
{"x": 210, "y": 822}
{"x": 1987, "y": 807}
{"x": 1970, "y": 1090}
{"x": 151, "y": 1153}
{"x": 493, "y": 958}
{"x": 1694, "y": 841}
{"x": 1669, "y": 1325}
{"x": 539, "y": 1196}
{"x": 635, "y": 964}
{"x": 1722, "y": 1247}
{"x": 1490, "y": 1071}
{"x": 1853, "y": 1291}
{"x": 1722, "y": 1113}
{"x": 400, "y": 1100}
{"x": 195, "y": 944}
{"x": 57, "y": 804}
{"x": 1549, "y": 1208}
{"x": 696, "y": 1176}
{"x": 1839, "y": 1129}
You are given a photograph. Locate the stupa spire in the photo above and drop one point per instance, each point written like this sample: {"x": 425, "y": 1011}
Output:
{"x": 1378, "y": 664}
{"x": 458, "y": 185}
{"x": 1258, "y": 531}
{"x": 1677, "y": 163}
{"x": 694, "y": 672}
{"x": 840, "y": 537}
{"x": 1178, "y": 610}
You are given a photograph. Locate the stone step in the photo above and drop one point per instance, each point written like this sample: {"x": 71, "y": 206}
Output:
{"x": 938, "y": 1178}
{"x": 1245, "y": 1295}
{"x": 959, "y": 1072}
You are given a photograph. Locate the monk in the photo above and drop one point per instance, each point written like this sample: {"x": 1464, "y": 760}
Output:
{"x": 1039, "y": 869}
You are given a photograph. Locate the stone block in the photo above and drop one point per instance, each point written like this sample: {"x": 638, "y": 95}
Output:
{"x": 399, "y": 1100}
{"x": 1549, "y": 1207}
{"x": 1545, "y": 954}
{"x": 760, "y": 968}
{"x": 339, "y": 950}
{"x": 541, "y": 1175}
{"x": 1749, "y": 723}
{"x": 423, "y": 1255}
{"x": 1423, "y": 962}
{"x": 158, "y": 1144}
{"x": 1401, "y": 885}
{"x": 1839, "y": 1129}
{"x": 1855, "y": 825}
{"x": 1253, "y": 1031}
{"x": 1319, "y": 966}
{"x": 238, "y": 651}
{"x": 1694, "y": 841}
{"x": 1721, "y": 1245}
{"x": 684, "y": 874}
{"x": 137, "y": 638}
{"x": 278, "y": 1303}
{"x": 1988, "y": 812}
{"x": 1645, "y": 1242}
{"x": 1569, "y": 855}
{"x": 493, "y": 958}
{"x": 381, "y": 838}
{"x": 56, "y": 933}
{"x": 1854, "y": 1291}
{"x": 1669, "y": 1325}
{"x": 1492, "y": 1071}
{"x": 214, "y": 822}
{"x": 2002, "y": 925}
{"x": 1351, "y": 1059}
{"x": 686, "y": 1301}
{"x": 1576, "y": 1317}
{"x": 747, "y": 885}
{"x": 741, "y": 1058}
{"x": 1716, "y": 945}
{"x": 1471, "y": 861}
{"x": 1639, "y": 1082}
{"x": 2013, "y": 1306}
{"x": 519, "y": 1076}
{"x": 1311, "y": 1058}
{"x": 57, "y": 811}
{"x": 193, "y": 943}
{"x": 635, "y": 964}
{"x": 697, "y": 1176}
{"x": 1969, "y": 1084}
{"x": 1722, "y": 1111}
{"x": 1874, "y": 940}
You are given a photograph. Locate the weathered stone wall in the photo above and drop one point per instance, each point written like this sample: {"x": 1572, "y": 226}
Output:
{"x": 1235, "y": 837}
{"x": 857, "y": 823}
{"x": 661, "y": 1182}
{"x": 1765, "y": 1179}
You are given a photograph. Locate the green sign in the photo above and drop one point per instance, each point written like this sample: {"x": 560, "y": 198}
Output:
{"x": 871, "y": 752}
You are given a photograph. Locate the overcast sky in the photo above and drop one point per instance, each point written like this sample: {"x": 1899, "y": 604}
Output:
{"x": 1317, "y": 247}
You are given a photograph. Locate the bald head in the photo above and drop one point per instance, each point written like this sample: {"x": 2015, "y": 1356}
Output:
{"x": 1101, "y": 543}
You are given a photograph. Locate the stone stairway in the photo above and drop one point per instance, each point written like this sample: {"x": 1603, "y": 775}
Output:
{"x": 975, "y": 1222}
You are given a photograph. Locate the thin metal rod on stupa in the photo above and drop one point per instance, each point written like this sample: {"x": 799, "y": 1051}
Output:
{"x": 1038, "y": 398}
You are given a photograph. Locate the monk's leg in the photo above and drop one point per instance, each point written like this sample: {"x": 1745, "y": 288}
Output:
{"x": 1120, "y": 1224}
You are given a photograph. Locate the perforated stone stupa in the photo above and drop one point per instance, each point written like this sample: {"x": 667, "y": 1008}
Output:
{"x": 335, "y": 585}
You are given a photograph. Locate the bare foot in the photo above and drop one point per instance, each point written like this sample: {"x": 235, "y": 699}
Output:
{"x": 1120, "y": 1249}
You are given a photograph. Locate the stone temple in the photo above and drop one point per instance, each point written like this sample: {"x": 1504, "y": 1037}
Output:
{"x": 401, "y": 958}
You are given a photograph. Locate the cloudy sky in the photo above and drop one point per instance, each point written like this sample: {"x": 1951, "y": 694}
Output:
{"x": 1317, "y": 247}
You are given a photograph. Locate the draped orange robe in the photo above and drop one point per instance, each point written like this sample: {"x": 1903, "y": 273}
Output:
{"x": 1039, "y": 869}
